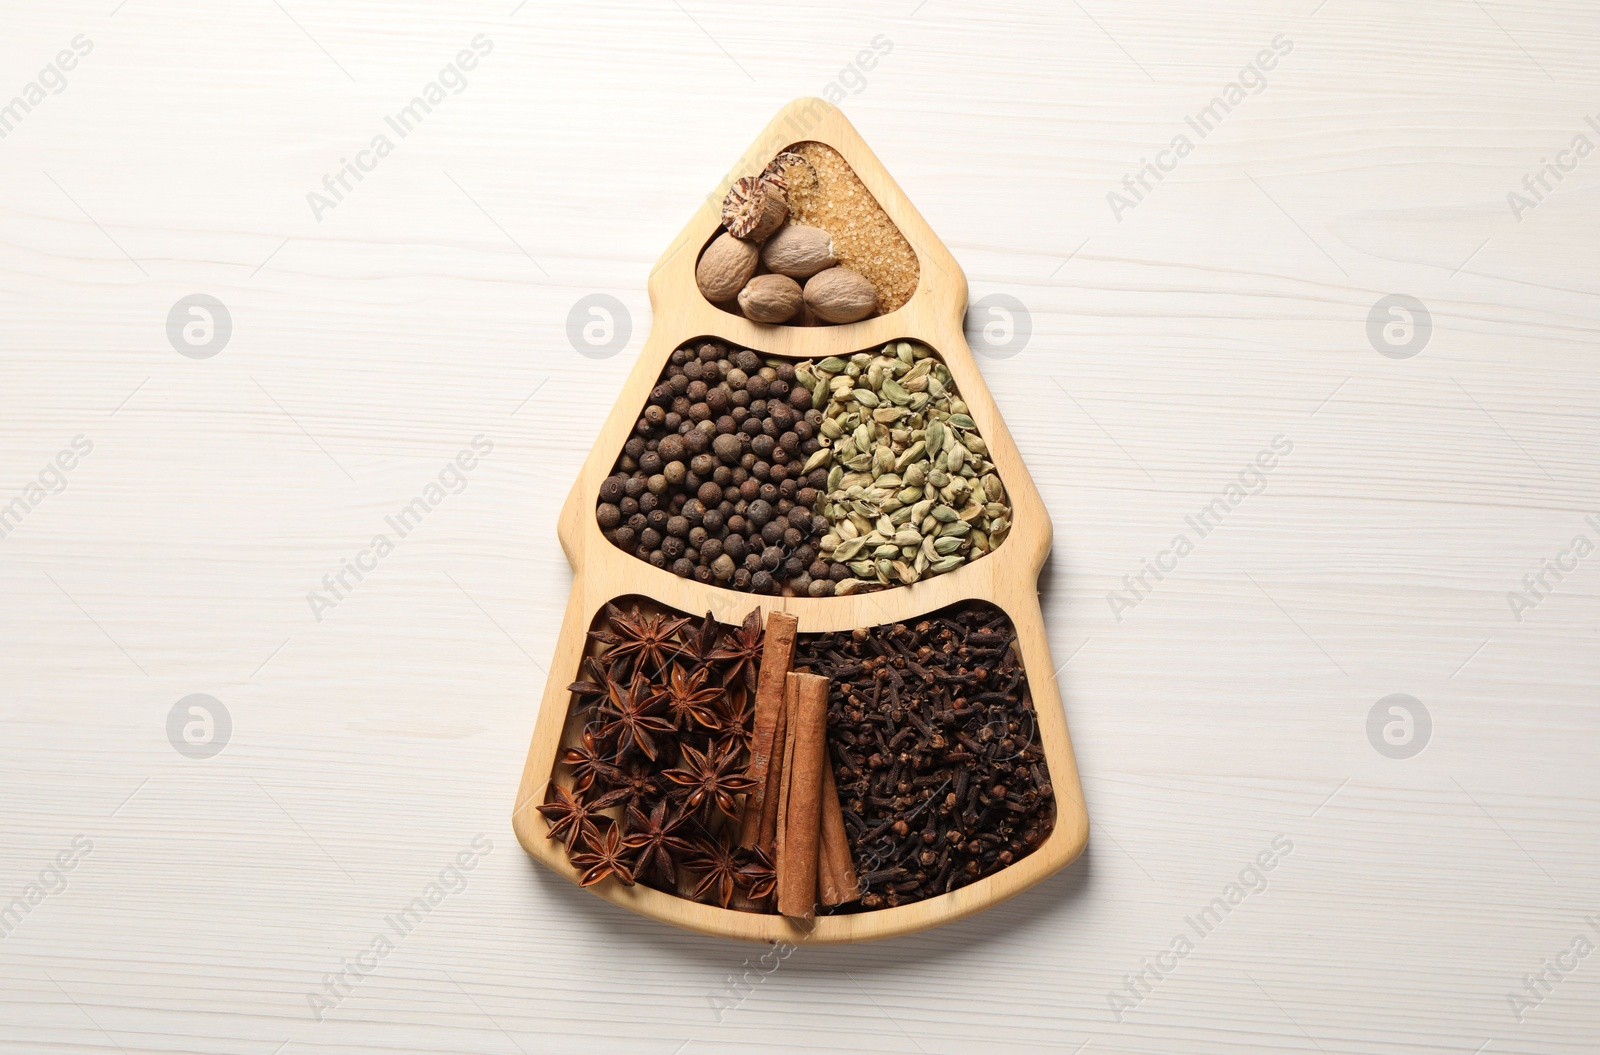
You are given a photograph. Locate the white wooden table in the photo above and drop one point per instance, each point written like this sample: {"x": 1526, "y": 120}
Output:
{"x": 205, "y": 904}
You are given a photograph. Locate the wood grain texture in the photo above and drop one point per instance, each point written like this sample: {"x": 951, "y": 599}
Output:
{"x": 430, "y": 306}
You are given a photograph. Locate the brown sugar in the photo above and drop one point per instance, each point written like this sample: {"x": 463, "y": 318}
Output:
{"x": 865, "y": 240}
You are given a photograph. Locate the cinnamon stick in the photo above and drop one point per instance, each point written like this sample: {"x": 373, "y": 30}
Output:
{"x": 777, "y": 654}
{"x": 836, "y": 873}
{"x": 800, "y": 843}
{"x": 776, "y": 806}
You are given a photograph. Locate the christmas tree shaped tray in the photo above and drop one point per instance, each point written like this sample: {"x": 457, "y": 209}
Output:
{"x": 963, "y": 867}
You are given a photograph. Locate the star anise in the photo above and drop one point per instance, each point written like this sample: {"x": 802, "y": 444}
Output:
{"x": 647, "y": 639}
{"x": 636, "y": 783}
{"x": 756, "y": 875}
{"x": 571, "y": 819}
{"x": 589, "y": 762}
{"x": 606, "y": 856}
{"x": 690, "y": 701}
{"x": 710, "y": 778}
{"x": 742, "y": 652}
{"x": 737, "y": 729}
{"x": 660, "y": 846}
{"x": 720, "y": 863}
{"x": 700, "y": 643}
{"x": 631, "y": 717}
{"x": 592, "y": 689}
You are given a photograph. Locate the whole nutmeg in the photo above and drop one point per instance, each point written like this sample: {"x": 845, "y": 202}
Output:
{"x": 754, "y": 208}
{"x": 725, "y": 267}
{"x": 799, "y": 251}
{"x": 840, "y": 295}
{"x": 770, "y": 298}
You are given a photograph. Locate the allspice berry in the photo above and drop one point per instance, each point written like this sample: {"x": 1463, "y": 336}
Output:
{"x": 708, "y": 486}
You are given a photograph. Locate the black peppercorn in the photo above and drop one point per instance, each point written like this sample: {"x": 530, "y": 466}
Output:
{"x": 714, "y": 462}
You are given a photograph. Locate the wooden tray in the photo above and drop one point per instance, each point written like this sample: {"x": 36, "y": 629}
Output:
{"x": 1007, "y": 577}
